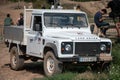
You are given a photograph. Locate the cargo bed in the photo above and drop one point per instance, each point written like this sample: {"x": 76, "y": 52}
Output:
{"x": 14, "y": 33}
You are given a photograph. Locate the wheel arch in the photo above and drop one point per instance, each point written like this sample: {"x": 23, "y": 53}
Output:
{"x": 21, "y": 49}
{"x": 12, "y": 45}
{"x": 52, "y": 47}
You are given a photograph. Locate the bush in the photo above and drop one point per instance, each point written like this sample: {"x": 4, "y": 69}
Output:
{"x": 114, "y": 73}
{"x": 116, "y": 54}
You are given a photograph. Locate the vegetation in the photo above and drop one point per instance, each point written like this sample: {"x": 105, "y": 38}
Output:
{"x": 64, "y": 76}
{"x": 114, "y": 73}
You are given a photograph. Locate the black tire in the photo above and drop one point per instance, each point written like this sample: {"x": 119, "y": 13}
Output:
{"x": 101, "y": 67}
{"x": 96, "y": 67}
{"x": 106, "y": 67}
{"x": 51, "y": 64}
{"x": 16, "y": 61}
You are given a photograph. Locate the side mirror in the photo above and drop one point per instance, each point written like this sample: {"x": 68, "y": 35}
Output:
{"x": 92, "y": 28}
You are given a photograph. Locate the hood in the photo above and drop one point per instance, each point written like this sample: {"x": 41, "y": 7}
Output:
{"x": 74, "y": 36}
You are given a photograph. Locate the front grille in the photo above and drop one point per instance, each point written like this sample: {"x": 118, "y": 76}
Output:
{"x": 87, "y": 48}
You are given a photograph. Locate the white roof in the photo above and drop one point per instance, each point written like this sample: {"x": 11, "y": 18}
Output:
{"x": 41, "y": 11}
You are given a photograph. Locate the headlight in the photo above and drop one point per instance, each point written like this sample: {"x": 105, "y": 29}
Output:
{"x": 103, "y": 47}
{"x": 68, "y": 47}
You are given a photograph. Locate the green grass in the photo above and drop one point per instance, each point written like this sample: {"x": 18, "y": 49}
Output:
{"x": 64, "y": 76}
{"x": 114, "y": 73}
{"x": 87, "y": 75}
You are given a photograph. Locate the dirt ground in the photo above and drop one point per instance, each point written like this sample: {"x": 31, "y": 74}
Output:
{"x": 31, "y": 70}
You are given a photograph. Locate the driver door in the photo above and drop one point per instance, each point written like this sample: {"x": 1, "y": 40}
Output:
{"x": 34, "y": 40}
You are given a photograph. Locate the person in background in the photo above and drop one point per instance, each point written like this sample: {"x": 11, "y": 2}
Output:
{"x": 59, "y": 6}
{"x": 117, "y": 28}
{"x": 43, "y": 7}
{"x": 8, "y": 20}
{"x": 78, "y": 8}
{"x": 20, "y": 20}
{"x": 115, "y": 12}
{"x": 99, "y": 21}
{"x": 52, "y": 6}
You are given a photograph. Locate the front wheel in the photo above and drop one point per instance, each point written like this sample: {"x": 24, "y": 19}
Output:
{"x": 106, "y": 67}
{"x": 103, "y": 66}
{"x": 51, "y": 64}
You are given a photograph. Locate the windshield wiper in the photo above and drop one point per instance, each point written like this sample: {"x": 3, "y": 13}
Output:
{"x": 55, "y": 24}
{"x": 77, "y": 26}
{"x": 73, "y": 25}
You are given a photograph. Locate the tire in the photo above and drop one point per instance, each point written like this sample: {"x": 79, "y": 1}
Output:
{"x": 51, "y": 65}
{"x": 16, "y": 61}
{"x": 106, "y": 67}
{"x": 95, "y": 67}
{"x": 101, "y": 67}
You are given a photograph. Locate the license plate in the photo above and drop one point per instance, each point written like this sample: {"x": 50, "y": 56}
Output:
{"x": 87, "y": 59}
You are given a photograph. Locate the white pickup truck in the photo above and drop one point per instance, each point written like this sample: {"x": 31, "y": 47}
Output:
{"x": 56, "y": 37}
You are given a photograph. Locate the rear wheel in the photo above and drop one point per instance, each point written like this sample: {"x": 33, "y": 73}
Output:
{"x": 51, "y": 64}
{"x": 16, "y": 61}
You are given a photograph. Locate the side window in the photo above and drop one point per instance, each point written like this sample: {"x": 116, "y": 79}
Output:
{"x": 37, "y": 23}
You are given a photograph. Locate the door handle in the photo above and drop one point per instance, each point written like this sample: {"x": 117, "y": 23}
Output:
{"x": 31, "y": 40}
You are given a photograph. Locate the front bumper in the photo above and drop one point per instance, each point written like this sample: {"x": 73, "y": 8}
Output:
{"x": 101, "y": 57}
{"x": 105, "y": 57}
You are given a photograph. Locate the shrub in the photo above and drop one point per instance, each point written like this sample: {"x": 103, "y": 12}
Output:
{"x": 114, "y": 73}
{"x": 116, "y": 54}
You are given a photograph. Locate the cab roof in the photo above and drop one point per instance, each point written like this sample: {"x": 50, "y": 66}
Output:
{"x": 42, "y": 11}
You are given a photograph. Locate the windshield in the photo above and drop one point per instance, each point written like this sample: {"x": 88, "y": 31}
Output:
{"x": 65, "y": 20}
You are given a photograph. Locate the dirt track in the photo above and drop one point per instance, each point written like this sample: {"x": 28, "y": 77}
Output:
{"x": 31, "y": 70}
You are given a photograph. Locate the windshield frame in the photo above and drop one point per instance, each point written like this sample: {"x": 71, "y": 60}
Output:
{"x": 62, "y": 16}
